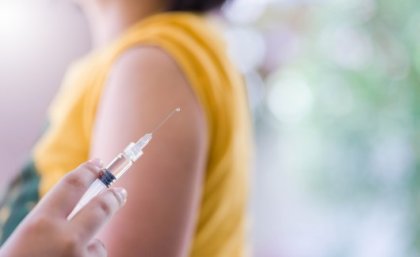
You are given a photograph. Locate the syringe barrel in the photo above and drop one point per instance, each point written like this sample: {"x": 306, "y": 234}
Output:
{"x": 96, "y": 188}
{"x": 107, "y": 176}
{"x": 119, "y": 165}
{"x": 110, "y": 174}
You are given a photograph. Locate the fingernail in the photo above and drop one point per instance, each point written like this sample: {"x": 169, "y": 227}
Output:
{"x": 121, "y": 194}
{"x": 97, "y": 162}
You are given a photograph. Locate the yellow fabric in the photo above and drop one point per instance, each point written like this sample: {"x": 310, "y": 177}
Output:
{"x": 200, "y": 53}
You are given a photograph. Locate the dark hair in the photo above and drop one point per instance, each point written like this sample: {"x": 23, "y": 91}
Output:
{"x": 196, "y": 5}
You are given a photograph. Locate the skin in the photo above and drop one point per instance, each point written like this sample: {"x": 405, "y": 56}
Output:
{"x": 109, "y": 18}
{"x": 46, "y": 230}
{"x": 166, "y": 182}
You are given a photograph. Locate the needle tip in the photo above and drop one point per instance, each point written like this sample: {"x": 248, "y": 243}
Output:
{"x": 178, "y": 109}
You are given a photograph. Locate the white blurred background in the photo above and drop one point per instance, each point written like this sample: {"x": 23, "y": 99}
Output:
{"x": 334, "y": 88}
{"x": 38, "y": 40}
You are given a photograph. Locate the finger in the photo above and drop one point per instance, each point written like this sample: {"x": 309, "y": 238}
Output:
{"x": 96, "y": 249}
{"x": 97, "y": 212}
{"x": 64, "y": 196}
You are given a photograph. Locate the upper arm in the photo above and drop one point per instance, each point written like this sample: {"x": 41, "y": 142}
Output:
{"x": 164, "y": 186}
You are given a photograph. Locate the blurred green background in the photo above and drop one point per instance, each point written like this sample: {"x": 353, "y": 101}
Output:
{"x": 333, "y": 86}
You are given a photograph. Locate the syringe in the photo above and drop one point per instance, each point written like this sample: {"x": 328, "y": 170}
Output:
{"x": 117, "y": 167}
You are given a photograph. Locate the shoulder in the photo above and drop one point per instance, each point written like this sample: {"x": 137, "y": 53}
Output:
{"x": 150, "y": 74}
{"x": 148, "y": 62}
{"x": 144, "y": 84}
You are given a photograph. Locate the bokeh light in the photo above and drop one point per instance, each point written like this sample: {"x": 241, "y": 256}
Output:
{"x": 290, "y": 98}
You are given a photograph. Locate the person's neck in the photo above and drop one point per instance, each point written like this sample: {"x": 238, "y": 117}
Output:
{"x": 108, "y": 19}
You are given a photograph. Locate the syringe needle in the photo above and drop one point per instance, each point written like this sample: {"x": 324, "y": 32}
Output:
{"x": 118, "y": 167}
{"x": 166, "y": 119}
{"x": 145, "y": 140}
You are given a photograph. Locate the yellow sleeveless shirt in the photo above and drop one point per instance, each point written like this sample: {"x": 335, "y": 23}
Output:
{"x": 201, "y": 54}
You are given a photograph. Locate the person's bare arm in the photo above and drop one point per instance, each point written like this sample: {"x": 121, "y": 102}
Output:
{"x": 165, "y": 184}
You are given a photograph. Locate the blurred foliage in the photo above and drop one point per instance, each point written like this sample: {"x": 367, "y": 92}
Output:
{"x": 342, "y": 93}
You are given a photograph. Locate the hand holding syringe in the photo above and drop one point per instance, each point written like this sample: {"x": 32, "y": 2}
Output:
{"x": 117, "y": 167}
